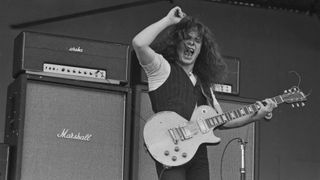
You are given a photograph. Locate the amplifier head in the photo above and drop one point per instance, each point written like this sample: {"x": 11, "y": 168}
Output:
{"x": 230, "y": 85}
{"x": 71, "y": 57}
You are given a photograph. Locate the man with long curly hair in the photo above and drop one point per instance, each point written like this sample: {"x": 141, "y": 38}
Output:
{"x": 181, "y": 66}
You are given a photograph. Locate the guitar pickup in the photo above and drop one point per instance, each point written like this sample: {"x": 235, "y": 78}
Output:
{"x": 183, "y": 132}
{"x": 203, "y": 126}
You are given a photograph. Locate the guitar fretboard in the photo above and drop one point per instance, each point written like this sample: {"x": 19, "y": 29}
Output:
{"x": 237, "y": 113}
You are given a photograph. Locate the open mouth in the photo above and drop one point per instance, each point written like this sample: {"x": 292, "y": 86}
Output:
{"x": 188, "y": 51}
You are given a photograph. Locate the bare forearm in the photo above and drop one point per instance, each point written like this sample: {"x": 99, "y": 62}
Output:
{"x": 260, "y": 114}
{"x": 141, "y": 42}
{"x": 147, "y": 36}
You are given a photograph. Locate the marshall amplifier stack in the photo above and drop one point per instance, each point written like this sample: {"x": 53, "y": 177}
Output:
{"x": 68, "y": 110}
{"x": 72, "y": 58}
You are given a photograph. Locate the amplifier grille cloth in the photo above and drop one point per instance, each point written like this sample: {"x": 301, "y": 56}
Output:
{"x": 49, "y": 110}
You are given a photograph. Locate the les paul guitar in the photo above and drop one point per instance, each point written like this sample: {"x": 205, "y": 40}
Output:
{"x": 173, "y": 141}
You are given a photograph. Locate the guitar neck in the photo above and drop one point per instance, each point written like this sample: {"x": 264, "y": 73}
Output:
{"x": 237, "y": 113}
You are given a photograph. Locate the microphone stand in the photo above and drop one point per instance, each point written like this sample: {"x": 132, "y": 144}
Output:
{"x": 242, "y": 168}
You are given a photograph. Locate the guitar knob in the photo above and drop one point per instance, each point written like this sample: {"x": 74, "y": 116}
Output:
{"x": 184, "y": 154}
{"x": 176, "y": 149}
{"x": 166, "y": 153}
{"x": 174, "y": 158}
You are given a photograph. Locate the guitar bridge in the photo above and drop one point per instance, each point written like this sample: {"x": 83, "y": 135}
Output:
{"x": 180, "y": 133}
{"x": 173, "y": 136}
{"x": 186, "y": 133}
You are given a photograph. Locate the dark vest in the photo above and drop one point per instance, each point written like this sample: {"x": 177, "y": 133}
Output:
{"x": 177, "y": 94}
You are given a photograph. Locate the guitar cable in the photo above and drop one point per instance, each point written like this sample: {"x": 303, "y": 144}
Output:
{"x": 162, "y": 171}
{"x": 223, "y": 153}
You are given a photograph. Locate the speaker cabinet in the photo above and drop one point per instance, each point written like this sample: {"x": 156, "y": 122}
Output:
{"x": 4, "y": 161}
{"x": 62, "y": 129}
{"x": 143, "y": 167}
{"x": 225, "y": 158}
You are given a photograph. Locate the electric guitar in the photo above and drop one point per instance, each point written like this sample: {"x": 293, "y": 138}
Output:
{"x": 173, "y": 141}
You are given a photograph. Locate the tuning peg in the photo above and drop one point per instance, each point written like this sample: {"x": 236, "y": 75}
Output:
{"x": 285, "y": 91}
{"x": 303, "y": 104}
{"x": 292, "y": 105}
{"x": 298, "y": 105}
{"x": 290, "y": 90}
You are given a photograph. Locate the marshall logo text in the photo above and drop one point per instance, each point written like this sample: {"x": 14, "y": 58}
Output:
{"x": 65, "y": 134}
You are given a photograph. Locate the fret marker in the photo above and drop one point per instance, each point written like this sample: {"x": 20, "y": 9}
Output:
{"x": 242, "y": 112}
{"x": 215, "y": 121}
{"x": 224, "y": 117}
{"x": 233, "y": 116}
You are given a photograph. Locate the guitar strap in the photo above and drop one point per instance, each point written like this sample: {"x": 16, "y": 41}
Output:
{"x": 213, "y": 100}
{"x": 215, "y": 103}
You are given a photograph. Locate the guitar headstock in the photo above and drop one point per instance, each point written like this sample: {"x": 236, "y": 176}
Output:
{"x": 294, "y": 96}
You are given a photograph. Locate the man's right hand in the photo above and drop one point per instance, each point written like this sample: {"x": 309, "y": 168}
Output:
{"x": 175, "y": 15}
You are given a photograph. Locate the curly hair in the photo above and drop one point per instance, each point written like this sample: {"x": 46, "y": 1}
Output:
{"x": 209, "y": 66}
